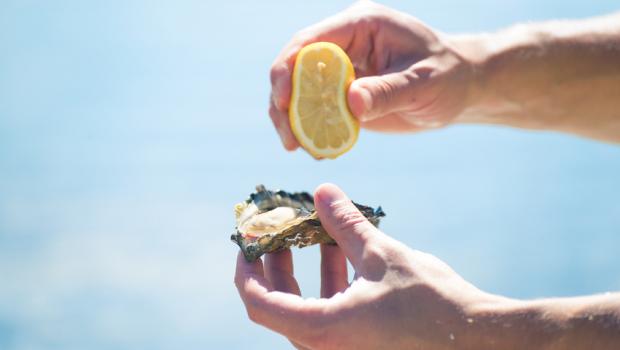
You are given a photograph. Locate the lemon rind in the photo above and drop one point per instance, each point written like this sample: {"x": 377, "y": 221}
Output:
{"x": 352, "y": 124}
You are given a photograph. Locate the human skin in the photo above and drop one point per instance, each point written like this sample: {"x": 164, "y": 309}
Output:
{"x": 405, "y": 299}
{"x": 557, "y": 76}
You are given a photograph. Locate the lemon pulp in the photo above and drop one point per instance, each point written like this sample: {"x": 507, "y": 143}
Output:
{"x": 319, "y": 113}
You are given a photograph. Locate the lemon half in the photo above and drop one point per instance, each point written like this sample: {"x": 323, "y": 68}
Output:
{"x": 319, "y": 114}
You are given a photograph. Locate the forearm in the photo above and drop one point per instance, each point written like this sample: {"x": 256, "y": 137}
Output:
{"x": 586, "y": 323}
{"x": 562, "y": 76}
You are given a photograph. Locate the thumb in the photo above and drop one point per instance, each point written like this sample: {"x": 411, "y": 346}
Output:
{"x": 344, "y": 222}
{"x": 374, "y": 96}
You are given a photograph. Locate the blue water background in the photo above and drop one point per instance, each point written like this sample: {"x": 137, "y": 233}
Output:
{"x": 129, "y": 129}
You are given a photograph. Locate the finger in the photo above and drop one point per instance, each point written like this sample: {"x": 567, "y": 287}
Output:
{"x": 283, "y": 127}
{"x": 281, "y": 85}
{"x": 334, "y": 276}
{"x": 337, "y": 29}
{"x": 279, "y": 271}
{"x": 374, "y": 96}
{"x": 249, "y": 277}
{"x": 285, "y": 313}
{"x": 282, "y": 70}
{"x": 344, "y": 222}
{"x": 392, "y": 123}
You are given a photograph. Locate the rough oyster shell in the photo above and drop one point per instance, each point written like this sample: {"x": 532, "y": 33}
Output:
{"x": 269, "y": 221}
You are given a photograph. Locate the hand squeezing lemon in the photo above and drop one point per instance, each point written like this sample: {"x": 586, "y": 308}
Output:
{"x": 319, "y": 114}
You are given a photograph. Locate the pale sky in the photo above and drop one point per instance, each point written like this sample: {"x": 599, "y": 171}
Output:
{"x": 129, "y": 129}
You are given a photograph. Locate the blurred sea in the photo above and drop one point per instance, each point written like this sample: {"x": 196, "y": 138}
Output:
{"x": 129, "y": 129}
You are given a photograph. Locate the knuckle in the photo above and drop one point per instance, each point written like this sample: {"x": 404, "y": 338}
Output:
{"x": 369, "y": 10}
{"x": 384, "y": 90}
{"x": 415, "y": 75}
{"x": 278, "y": 71}
{"x": 374, "y": 253}
{"x": 423, "y": 258}
{"x": 349, "y": 217}
{"x": 363, "y": 5}
{"x": 238, "y": 282}
{"x": 253, "y": 314}
{"x": 366, "y": 20}
{"x": 302, "y": 35}
{"x": 273, "y": 113}
{"x": 307, "y": 34}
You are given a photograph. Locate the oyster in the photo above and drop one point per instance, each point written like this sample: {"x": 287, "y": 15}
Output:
{"x": 269, "y": 221}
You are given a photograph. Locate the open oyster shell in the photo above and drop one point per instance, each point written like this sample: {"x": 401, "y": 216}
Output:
{"x": 269, "y": 221}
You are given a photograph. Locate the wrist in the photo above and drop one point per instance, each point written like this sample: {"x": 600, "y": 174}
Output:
{"x": 544, "y": 76}
{"x": 494, "y": 79}
{"x": 503, "y": 323}
{"x": 590, "y": 322}
{"x": 512, "y": 72}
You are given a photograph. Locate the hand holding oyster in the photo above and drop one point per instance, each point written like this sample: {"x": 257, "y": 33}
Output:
{"x": 269, "y": 221}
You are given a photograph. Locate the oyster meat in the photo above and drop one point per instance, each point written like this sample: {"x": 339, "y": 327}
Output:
{"x": 269, "y": 221}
